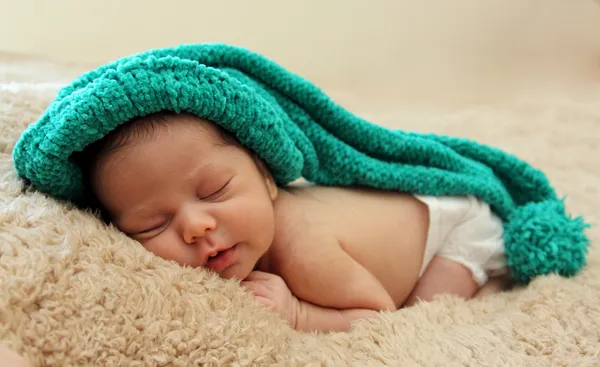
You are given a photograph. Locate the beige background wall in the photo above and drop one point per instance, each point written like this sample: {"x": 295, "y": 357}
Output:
{"x": 410, "y": 47}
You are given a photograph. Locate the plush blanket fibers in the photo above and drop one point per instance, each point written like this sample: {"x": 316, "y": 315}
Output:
{"x": 77, "y": 293}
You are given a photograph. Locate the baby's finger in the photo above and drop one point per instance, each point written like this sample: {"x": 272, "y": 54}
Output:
{"x": 259, "y": 275}
{"x": 266, "y": 302}
{"x": 255, "y": 288}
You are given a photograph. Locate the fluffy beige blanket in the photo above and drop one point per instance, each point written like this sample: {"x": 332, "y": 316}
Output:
{"x": 74, "y": 292}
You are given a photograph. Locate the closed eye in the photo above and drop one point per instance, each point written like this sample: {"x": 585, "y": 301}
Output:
{"x": 151, "y": 231}
{"x": 217, "y": 193}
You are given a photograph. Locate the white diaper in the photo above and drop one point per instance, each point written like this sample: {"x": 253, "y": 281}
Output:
{"x": 463, "y": 229}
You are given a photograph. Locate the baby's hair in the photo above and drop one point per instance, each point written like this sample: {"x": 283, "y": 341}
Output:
{"x": 144, "y": 127}
{"x": 138, "y": 128}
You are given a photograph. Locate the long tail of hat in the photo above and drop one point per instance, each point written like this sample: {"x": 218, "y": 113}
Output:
{"x": 346, "y": 150}
{"x": 299, "y": 131}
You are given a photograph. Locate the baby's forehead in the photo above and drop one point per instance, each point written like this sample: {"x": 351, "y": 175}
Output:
{"x": 171, "y": 148}
{"x": 169, "y": 132}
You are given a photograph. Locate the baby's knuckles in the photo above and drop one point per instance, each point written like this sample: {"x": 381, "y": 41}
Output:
{"x": 274, "y": 289}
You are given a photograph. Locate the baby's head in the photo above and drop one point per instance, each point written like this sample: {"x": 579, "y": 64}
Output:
{"x": 186, "y": 190}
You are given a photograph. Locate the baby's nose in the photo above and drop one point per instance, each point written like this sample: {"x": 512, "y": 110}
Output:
{"x": 196, "y": 225}
{"x": 196, "y": 231}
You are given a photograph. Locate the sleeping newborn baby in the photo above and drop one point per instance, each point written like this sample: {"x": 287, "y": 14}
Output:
{"x": 321, "y": 257}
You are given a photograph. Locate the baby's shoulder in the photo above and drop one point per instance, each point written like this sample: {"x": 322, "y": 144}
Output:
{"x": 299, "y": 223}
{"x": 295, "y": 217}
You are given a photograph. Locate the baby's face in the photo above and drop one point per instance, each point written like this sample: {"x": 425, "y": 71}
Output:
{"x": 186, "y": 197}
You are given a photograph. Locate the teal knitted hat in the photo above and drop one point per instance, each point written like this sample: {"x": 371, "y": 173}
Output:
{"x": 299, "y": 132}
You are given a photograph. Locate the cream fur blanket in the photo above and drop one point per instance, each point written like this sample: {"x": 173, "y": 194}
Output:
{"x": 76, "y": 293}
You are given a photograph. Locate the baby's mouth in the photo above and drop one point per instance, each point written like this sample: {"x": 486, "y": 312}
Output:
{"x": 221, "y": 259}
{"x": 215, "y": 255}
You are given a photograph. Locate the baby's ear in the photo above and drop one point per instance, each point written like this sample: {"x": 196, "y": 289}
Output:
{"x": 268, "y": 177}
{"x": 271, "y": 187}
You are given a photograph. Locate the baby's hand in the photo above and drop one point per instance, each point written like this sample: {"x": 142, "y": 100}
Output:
{"x": 271, "y": 291}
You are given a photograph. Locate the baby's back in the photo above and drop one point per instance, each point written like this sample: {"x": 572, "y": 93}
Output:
{"x": 385, "y": 232}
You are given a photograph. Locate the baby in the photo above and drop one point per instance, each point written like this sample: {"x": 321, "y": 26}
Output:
{"x": 319, "y": 256}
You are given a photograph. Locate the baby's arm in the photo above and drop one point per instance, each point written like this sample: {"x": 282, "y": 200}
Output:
{"x": 443, "y": 276}
{"x": 333, "y": 289}
{"x": 312, "y": 317}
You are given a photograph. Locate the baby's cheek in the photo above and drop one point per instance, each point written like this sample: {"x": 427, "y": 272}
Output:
{"x": 169, "y": 246}
{"x": 254, "y": 207}
{"x": 262, "y": 222}
{"x": 250, "y": 214}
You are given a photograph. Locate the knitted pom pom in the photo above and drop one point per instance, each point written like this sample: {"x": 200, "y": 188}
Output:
{"x": 541, "y": 239}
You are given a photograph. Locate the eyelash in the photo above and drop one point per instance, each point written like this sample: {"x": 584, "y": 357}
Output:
{"x": 152, "y": 229}
{"x": 219, "y": 191}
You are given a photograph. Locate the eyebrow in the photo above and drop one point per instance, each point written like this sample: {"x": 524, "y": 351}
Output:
{"x": 195, "y": 171}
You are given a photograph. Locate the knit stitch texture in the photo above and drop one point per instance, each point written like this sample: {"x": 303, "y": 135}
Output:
{"x": 299, "y": 132}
